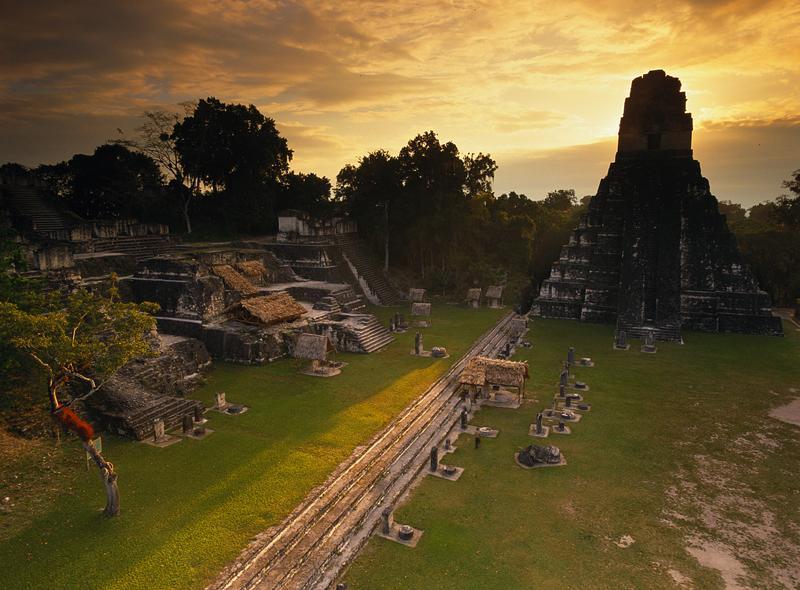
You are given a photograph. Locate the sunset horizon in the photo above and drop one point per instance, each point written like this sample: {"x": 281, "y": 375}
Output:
{"x": 539, "y": 89}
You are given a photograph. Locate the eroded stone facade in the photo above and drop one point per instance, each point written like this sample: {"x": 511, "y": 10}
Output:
{"x": 653, "y": 252}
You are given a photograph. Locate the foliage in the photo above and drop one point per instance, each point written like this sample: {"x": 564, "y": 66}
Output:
{"x": 768, "y": 235}
{"x": 21, "y": 405}
{"x": 112, "y": 183}
{"x": 788, "y": 206}
{"x": 155, "y": 140}
{"x": 234, "y": 149}
{"x": 433, "y": 212}
{"x": 81, "y": 343}
{"x": 225, "y": 144}
{"x": 306, "y": 192}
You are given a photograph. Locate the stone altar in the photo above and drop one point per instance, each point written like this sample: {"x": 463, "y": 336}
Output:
{"x": 540, "y": 456}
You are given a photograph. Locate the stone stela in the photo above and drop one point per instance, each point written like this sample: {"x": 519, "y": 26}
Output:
{"x": 621, "y": 340}
{"x": 159, "y": 434}
{"x": 649, "y": 342}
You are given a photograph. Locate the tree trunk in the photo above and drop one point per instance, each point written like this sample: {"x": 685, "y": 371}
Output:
{"x": 106, "y": 468}
{"x": 386, "y": 243}
{"x": 186, "y": 213}
{"x": 109, "y": 477}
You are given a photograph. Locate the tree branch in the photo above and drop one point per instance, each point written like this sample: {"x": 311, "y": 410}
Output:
{"x": 78, "y": 325}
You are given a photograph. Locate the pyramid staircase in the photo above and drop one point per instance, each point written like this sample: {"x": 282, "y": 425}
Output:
{"x": 349, "y": 300}
{"x": 368, "y": 270}
{"x": 661, "y": 333}
{"x": 372, "y": 335}
{"x": 139, "y": 247}
{"x": 139, "y": 424}
{"x": 329, "y": 304}
{"x": 29, "y": 203}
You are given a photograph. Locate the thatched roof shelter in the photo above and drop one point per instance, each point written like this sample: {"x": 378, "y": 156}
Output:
{"x": 233, "y": 280}
{"x": 494, "y": 292}
{"x": 252, "y": 269}
{"x": 416, "y": 295}
{"x": 421, "y": 309}
{"x": 481, "y": 370}
{"x": 474, "y": 294}
{"x": 267, "y": 310}
{"x": 313, "y": 347}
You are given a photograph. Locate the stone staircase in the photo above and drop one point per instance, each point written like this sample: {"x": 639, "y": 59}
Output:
{"x": 349, "y": 300}
{"x": 170, "y": 409}
{"x": 139, "y": 247}
{"x": 662, "y": 333}
{"x": 29, "y": 203}
{"x": 329, "y": 304}
{"x": 368, "y": 270}
{"x": 372, "y": 335}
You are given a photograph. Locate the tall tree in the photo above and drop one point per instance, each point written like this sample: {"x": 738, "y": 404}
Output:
{"x": 114, "y": 182}
{"x": 434, "y": 177}
{"x": 788, "y": 206}
{"x": 480, "y": 170}
{"x": 235, "y": 149}
{"x": 306, "y": 192}
{"x": 369, "y": 192}
{"x": 78, "y": 346}
{"x": 155, "y": 139}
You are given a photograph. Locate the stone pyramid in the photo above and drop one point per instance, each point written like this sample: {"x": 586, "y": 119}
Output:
{"x": 653, "y": 252}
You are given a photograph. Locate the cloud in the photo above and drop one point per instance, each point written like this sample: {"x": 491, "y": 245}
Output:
{"x": 790, "y": 121}
{"x": 744, "y": 163}
{"x": 345, "y": 77}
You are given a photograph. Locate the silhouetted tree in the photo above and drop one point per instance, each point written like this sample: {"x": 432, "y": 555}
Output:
{"x": 306, "y": 192}
{"x": 155, "y": 139}
{"x": 368, "y": 192}
{"x": 112, "y": 183}
{"x": 233, "y": 148}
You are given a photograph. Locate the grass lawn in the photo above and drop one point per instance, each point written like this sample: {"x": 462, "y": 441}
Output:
{"x": 678, "y": 452}
{"x": 190, "y": 508}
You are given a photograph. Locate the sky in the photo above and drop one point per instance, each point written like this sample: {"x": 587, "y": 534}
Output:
{"x": 539, "y": 85}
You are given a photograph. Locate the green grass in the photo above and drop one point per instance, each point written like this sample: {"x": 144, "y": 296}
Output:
{"x": 190, "y": 508}
{"x": 502, "y": 527}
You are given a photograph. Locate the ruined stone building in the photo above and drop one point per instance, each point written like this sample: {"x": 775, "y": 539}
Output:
{"x": 653, "y": 252}
{"x": 244, "y": 301}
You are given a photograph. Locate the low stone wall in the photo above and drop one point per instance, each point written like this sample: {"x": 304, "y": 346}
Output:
{"x": 243, "y": 344}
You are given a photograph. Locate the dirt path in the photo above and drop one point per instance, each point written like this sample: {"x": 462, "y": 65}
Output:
{"x": 731, "y": 522}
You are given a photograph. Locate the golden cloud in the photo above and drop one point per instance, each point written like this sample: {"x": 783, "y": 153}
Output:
{"x": 345, "y": 77}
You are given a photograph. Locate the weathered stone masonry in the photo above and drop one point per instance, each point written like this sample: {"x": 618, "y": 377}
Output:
{"x": 653, "y": 252}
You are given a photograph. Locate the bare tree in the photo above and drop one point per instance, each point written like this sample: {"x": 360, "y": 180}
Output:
{"x": 154, "y": 138}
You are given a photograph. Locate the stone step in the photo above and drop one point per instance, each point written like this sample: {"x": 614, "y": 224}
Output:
{"x": 171, "y": 410}
{"x": 368, "y": 270}
{"x": 665, "y": 334}
{"x": 373, "y": 335}
{"x": 31, "y": 203}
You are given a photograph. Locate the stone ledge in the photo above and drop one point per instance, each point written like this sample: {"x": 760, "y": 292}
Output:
{"x": 167, "y": 440}
{"x": 394, "y": 535}
{"x": 440, "y": 472}
{"x": 532, "y": 431}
